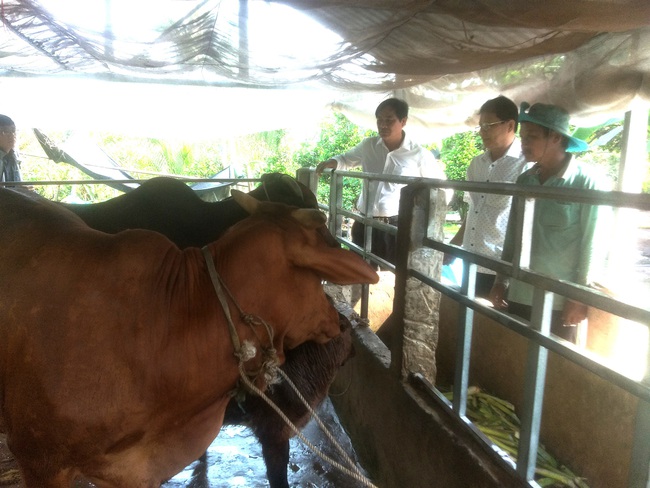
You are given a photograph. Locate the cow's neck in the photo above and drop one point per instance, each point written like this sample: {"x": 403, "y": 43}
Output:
{"x": 245, "y": 351}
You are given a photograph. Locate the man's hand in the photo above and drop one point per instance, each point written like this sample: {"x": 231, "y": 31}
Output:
{"x": 457, "y": 240}
{"x": 330, "y": 163}
{"x": 497, "y": 296}
{"x": 574, "y": 313}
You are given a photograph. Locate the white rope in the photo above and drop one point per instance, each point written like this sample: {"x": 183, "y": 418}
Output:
{"x": 320, "y": 423}
{"x": 270, "y": 370}
{"x": 354, "y": 472}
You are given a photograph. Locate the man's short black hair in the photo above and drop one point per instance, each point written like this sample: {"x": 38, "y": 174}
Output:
{"x": 503, "y": 108}
{"x": 6, "y": 121}
{"x": 400, "y": 107}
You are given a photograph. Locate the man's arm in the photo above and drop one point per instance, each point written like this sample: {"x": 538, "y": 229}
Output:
{"x": 500, "y": 287}
{"x": 347, "y": 160}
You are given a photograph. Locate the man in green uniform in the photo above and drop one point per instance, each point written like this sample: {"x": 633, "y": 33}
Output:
{"x": 562, "y": 243}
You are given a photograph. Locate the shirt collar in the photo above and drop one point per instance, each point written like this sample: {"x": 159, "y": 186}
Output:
{"x": 514, "y": 151}
{"x": 568, "y": 169}
{"x": 406, "y": 142}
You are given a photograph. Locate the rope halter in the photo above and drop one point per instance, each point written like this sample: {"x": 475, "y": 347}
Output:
{"x": 246, "y": 351}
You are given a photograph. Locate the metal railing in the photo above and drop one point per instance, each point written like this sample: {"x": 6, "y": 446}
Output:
{"x": 537, "y": 330}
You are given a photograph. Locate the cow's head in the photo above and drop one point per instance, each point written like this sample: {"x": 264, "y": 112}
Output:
{"x": 283, "y": 188}
{"x": 284, "y": 259}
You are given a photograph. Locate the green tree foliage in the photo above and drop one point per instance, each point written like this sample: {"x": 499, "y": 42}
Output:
{"x": 266, "y": 152}
{"x": 337, "y": 136}
{"x": 456, "y": 154}
{"x": 141, "y": 157}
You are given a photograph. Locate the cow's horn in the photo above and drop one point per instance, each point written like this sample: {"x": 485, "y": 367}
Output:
{"x": 309, "y": 217}
{"x": 245, "y": 201}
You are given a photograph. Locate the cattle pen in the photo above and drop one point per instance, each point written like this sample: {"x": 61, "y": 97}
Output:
{"x": 439, "y": 342}
{"x": 592, "y": 416}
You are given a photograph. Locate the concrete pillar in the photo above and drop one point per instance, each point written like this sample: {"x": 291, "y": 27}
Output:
{"x": 421, "y": 302}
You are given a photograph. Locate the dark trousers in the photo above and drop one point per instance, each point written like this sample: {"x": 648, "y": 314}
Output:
{"x": 557, "y": 324}
{"x": 484, "y": 283}
{"x": 383, "y": 244}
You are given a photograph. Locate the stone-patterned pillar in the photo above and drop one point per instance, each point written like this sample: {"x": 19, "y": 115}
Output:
{"x": 420, "y": 302}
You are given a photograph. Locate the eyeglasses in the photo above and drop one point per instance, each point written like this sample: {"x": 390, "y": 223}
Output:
{"x": 6, "y": 132}
{"x": 488, "y": 126}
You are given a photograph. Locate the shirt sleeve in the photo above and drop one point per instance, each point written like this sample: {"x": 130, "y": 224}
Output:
{"x": 430, "y": 166}
{"x": 508, "y": 243}
{"x": 352, "y": 158}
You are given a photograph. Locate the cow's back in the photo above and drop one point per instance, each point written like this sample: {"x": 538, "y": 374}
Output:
{"x": 169, "y": 206}
{"x": 164, "y": 205}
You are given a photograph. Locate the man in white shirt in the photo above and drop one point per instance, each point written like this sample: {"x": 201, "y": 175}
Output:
{"x": 391, "y": 153}
{"x": 484, "y": 227}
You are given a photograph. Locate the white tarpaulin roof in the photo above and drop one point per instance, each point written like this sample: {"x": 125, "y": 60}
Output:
{"x": 273, "y": 61}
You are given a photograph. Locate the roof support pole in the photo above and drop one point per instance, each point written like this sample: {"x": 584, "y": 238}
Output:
{"x": 634, "y": 157}
{"x": 108, "y": 30}
{"x": 631, "y": 175}
{"x": 243, "y": 40}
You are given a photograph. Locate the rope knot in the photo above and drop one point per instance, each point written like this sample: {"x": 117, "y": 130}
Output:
{"x": 247, "y": 352}
{"x": 271, "y": 366}
{"x": 250, "y": 319}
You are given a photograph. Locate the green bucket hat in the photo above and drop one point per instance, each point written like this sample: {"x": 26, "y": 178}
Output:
{"x": 554, "y": 118}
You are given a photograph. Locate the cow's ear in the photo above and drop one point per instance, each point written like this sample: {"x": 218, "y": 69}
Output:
{"x": 245, "y": 201}
{"x": 338, "y": 266}
{"x": 293, "y": 186}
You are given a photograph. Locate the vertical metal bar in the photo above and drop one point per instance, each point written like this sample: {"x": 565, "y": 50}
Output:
{"x": 369, "y": 212}
{"x": 631, "y": 171}
{"x": 335, "y": 190}
{"x": 338, "y": 203}
{"x": 639, "y": 476}
{"x": 634, "y": 155}
{"x": 108, "y": 29}
{"x": 464, "y": 341}
{"x": 520, "y": 204}
{"x": 523, "y": 228}
{"x": 307, "y": 178}
{"x": 534, "y": 378}
{"x": 369, "y": 199}
{"x": 243, "y": 39}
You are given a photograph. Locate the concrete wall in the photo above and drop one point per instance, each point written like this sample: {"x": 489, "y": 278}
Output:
{"x": 402, "y": 439}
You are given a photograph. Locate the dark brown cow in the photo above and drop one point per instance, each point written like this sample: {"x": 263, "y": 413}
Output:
{"x": 311, "y": 367}
{"x": 115, "y": 358}
{"x": 170, "y": 207}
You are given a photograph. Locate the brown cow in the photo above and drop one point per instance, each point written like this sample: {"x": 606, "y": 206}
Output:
{"x": 169, "y": 206}
{"x": 115, "y": 358}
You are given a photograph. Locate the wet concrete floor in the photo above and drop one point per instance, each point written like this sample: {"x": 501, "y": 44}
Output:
{"x": 235, "y": 459}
